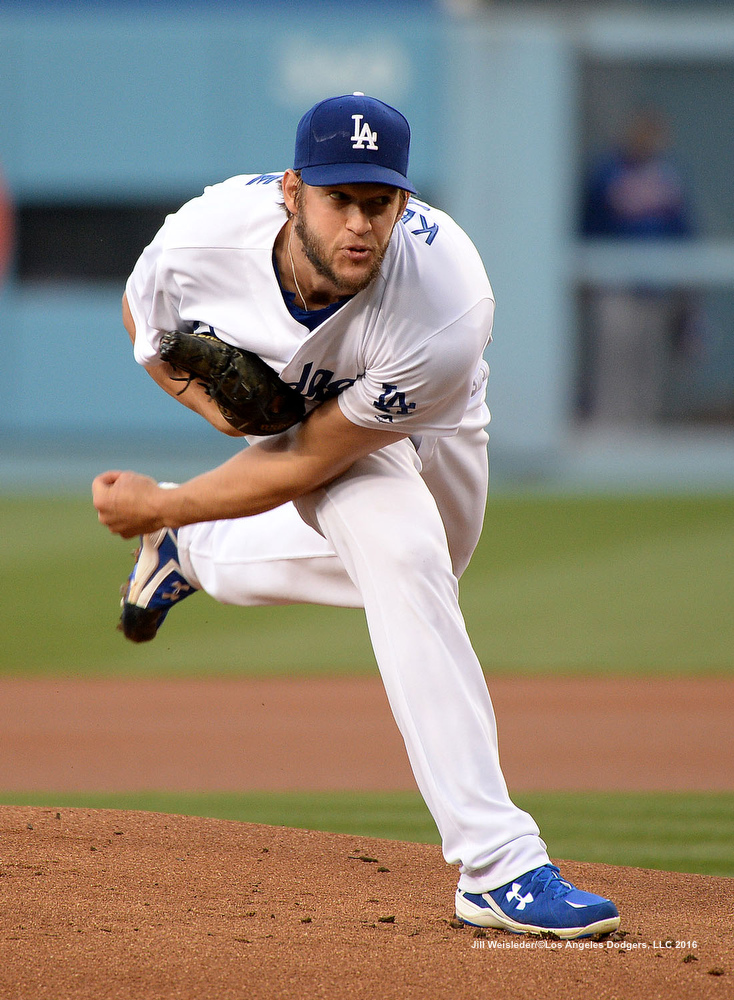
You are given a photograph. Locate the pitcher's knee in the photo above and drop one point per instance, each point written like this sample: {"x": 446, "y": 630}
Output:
{"x": 411, "y": 551}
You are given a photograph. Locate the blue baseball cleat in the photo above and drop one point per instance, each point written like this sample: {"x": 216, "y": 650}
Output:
{"x": 155, "y": 585}
{"x": 539, "y": 902}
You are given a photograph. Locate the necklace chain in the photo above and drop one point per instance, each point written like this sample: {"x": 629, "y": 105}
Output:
{"x": 293, "y": 270}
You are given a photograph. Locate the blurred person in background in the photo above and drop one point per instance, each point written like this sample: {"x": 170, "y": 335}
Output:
{"x": 635, "y": 192}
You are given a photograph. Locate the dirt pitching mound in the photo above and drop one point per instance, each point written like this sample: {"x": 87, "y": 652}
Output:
{"x": 108, "y": 904}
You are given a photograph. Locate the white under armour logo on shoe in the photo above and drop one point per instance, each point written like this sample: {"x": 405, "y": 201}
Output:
{"x": 363, "y": 134}
{"x": 514, "y": 893}
{"x": 177, "y": 589}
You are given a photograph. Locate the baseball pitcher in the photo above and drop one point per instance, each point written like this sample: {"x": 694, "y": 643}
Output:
{"x": 340, "y": 323}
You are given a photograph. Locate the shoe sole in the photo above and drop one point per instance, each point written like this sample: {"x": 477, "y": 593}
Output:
{"x": 480, "y": 916}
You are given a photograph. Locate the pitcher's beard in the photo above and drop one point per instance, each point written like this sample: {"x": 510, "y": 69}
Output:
{"x": 316, "y": 255}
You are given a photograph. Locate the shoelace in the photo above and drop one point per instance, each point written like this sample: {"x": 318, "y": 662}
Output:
{"x": 546, "y": 877}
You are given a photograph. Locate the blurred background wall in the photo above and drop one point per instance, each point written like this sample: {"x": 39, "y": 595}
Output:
{"x": 113, "y": 114}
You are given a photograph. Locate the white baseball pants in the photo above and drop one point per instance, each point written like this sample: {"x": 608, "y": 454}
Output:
{"x": 393, "y": 535}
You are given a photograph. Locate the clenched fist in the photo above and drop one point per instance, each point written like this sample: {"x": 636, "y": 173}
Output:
{"x": 128, "y": 503}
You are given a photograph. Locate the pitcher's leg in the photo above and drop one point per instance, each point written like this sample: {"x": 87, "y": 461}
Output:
{"x": 275, "y": 558}
{"x": 271, "y": 558}
{"x": 385, "y": 527}
{"x": 457, "y": 474}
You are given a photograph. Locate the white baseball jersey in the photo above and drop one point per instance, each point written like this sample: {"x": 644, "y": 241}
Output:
{"x": 406, "y": 352}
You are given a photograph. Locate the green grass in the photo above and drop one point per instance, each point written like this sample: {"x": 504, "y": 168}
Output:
{"x": 627, "y": 585}
{"x": 59, "y": 607}
{"x": 671, "y": 832}
{"x": 683, "y": 832}
{"x": 579, "y": 584}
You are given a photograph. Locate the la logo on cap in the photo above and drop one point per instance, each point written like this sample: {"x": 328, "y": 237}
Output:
{"x": 364, "y": 137}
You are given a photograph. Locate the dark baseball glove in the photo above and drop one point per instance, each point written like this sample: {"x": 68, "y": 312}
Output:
{"x": 248, "y": 392}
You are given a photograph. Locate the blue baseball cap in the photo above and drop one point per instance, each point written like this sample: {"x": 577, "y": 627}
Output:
{"x": 353, "y": 140}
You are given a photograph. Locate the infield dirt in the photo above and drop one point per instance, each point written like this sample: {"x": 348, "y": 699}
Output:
{"x": 106, "y": 904}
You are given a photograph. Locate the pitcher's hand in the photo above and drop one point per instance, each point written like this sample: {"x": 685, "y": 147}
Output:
{"x": 128, "y": 503}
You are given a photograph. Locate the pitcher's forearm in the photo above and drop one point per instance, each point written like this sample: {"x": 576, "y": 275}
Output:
{"x": 255, "y": 480}
{"x": 266, "y": 475}
{"x": 272, "y": 472}
{"x": 193, "y": 396}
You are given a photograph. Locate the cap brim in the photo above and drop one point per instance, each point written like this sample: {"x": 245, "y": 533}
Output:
{"x": 354, "y": 173}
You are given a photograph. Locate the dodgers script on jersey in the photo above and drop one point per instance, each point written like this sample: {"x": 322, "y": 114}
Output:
{"x": 405, "y": 353}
